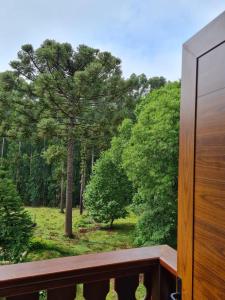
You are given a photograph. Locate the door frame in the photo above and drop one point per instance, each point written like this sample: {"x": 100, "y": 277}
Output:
{"x": 204, "y": 41}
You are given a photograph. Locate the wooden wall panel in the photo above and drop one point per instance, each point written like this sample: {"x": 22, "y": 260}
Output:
{"x": 209, "y": 212}
{"x": 211, "y": 71}
{"x": 201, "y": 211}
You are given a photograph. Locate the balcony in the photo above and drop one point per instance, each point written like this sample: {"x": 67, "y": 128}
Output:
{"x": 154, "y": 266}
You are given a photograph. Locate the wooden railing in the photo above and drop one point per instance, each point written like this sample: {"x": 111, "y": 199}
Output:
{"x": 156, "y": 266}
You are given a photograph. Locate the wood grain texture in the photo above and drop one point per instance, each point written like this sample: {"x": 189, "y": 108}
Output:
{"x": 202, "y": 76}
{"x": 186, "y": 173}
{"x": 209, "y": 226}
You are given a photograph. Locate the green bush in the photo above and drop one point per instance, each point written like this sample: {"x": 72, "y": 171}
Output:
{"x": 15, "y": 223}
{"x": 108, "y": 192}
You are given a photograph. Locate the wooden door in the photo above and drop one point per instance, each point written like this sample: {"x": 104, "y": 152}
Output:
{"x": 201, "y": 204}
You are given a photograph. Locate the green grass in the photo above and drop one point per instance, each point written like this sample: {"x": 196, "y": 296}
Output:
{"x": 49, "y": 240}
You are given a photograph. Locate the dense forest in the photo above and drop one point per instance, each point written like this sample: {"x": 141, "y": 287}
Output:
{"x": 75, "y": 133}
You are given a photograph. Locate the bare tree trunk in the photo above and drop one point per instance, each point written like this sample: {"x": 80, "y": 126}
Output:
{"x": 82, "y": 187}
{"x": 2, "y": 150}
{"x": 83, "y": 175}
{"x": 62, "y": 192}
{"x": 92, "y": 157}
{"x": 31, "y": 157}
{"x": 17, "y": 165}
{"x": 69, "y": 188}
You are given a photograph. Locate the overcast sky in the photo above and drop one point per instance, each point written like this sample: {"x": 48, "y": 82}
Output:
{"x": 146, "y": 34}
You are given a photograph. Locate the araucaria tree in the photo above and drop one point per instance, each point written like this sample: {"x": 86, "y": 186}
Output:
{"x": 69, "y": 85}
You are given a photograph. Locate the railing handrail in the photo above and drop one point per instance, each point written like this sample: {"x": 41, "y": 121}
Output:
{"x": 44, "y": 274}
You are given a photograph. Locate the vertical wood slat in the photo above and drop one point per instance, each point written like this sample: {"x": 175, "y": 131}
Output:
{"x": 33, "y": 296}
{"x": 126, "y": 287}
{"x": 167, "y": 284}
{"x": 64, "y": 293}
{"x": 159, "y": 283}
{"x": 96, "y": 290}
{"x": 152, "y": 283}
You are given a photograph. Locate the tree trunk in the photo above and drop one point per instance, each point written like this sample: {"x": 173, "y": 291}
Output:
{"x": 82, "y": 187}
{"x": 83, "y": 176}
{"x": 62, "y": 192}
{"x": 92, "y": 157}
{"x": 111, "y": 224}
{"x": 69, "y": 188}
{"x": 17, "y": 166}
{"x": 31, "y": 156}
{"x": 2, "y": 150}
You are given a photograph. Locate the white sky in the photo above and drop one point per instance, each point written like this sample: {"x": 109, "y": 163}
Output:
{"x": 146, "y": 34}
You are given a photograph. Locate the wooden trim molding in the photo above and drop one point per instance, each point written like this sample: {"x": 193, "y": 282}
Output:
{"x": 186, "y": 172}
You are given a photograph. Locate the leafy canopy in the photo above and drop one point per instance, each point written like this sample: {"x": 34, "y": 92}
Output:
{"x": 108, "y": 192}
{"x": 151, "y": 162}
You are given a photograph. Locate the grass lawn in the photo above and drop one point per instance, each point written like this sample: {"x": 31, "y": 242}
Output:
{"x": 49, "y": 240}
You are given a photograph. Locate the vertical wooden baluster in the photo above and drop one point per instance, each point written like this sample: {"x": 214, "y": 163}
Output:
{"x": 96, "y": 290}
{"x": 148, "y": 285}
{"x": 64, "y": 293}
{"x": 33, "y": 296}
{"x": 152, "y": 283}
{"x": 167, "y": 283}
{"x": 126, "y": 287}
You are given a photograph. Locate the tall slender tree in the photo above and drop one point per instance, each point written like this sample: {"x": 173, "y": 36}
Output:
{"x": 70, "y": 84}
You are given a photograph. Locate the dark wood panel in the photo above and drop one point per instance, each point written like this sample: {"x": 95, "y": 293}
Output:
{"x": 211, "y": 71}
{"x": 67, "y": 292}
{"x": 167, "y": 283}
{"x": 33, "y": 296}
{"x": 126, "y": 287}
{"x": 96, "y": 290}
{"x": 186, "y": 172}
{"x": 152, "y": 283}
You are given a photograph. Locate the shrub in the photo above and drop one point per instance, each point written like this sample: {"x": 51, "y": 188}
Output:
{"x": 15, "y": 223}
{"x": 108, "y": 192}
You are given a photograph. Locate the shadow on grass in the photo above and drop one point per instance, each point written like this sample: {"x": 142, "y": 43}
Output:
{"x": 123, "y": 227}
{"x": 38, "y": 244}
